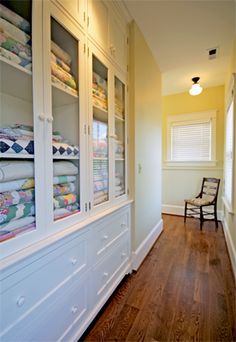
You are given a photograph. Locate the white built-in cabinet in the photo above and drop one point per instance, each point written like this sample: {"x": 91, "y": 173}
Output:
{"x": 64, "y": 209}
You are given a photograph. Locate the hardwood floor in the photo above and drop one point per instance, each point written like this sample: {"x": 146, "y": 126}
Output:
{"x": 183, "y": 291}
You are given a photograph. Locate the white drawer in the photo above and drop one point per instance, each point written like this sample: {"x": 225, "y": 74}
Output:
{"x": 107, "y": 270}
{"x": 29, "y": 287}
{"x": 66, "y": 308}
{"x": 109, "y": 232}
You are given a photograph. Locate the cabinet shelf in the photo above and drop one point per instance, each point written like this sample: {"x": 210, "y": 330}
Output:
{"x": 119, "y": 118}
{"x": 62, "y": 97}
{"x": 120, "y": 159}
{"x": 66, "y": 157}
{"x": 100, "y": 158}
{"x": 15, "y": 80}
{"x": 100, "y": 114}
{"x": 16, "y": 156}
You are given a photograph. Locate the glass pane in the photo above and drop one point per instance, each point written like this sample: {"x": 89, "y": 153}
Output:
{"x": 65, "y": 111}
{"x": 120, "y": 138}
{"x": 17, "y": 195}
{"x": 100, "y": 133}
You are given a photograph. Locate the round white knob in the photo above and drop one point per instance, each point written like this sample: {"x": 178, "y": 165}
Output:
{"x": 20, "y": 301}
{"x": 123, "y": 254}
{"x": 73, "y": 261}
{"x": 50, "y": 119}
{"x": 123, "y": 225}
{"x": 41, "y": 117}
{"x": 74, "y": 309}
{"x": 105, "y": 237}
{"x": 105, "y": 274}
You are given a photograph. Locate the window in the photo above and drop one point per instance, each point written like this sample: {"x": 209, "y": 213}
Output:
{"x": 228, "y": 169}
{"x": 191, "y": 137}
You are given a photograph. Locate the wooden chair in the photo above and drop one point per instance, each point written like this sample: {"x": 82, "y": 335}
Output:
{"x": 206, "y": 198}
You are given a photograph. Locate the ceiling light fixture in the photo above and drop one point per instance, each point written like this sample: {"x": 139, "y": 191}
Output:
{"x": 196, "y": 89}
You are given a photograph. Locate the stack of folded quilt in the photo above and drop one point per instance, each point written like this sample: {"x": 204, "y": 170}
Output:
{"x": 61, "y": 69}
{"x": 119, "y": 185}
{"x": 15, "y": 39}
{"x": 100, "y": 184}
{"x": 119, "y": 108}
{"x": 17, "y": 198}
{"x": 100, "y": 149}
{"x": 19, "y": 139}
{"x": 17, "y": 195}
{"x": 65, "y": 200}
{"x": 99, "y": 91}
{"x": 119, "y": 149}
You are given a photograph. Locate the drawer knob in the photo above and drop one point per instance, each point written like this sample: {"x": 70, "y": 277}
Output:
{"x": 123, "y": 254}
{"x": 20, "y": 301}
{"x": 73, "y": 261}
{"x": 105, "y": 274}
{"x": 105, "y": 237}
{"x": 123, "y": 225}
{"x": 74, "y": 309}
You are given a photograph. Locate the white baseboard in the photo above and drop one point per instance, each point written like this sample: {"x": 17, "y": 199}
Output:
{"x": 141, "y": 252}
{"x": 230, "y": 246}
{"x": 179, "y": 210}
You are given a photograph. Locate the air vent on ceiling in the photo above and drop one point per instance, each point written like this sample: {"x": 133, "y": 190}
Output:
{"x": 213, "y": 53}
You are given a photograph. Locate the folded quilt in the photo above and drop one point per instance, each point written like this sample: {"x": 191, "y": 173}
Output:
{"x": 16, "y": 197}
{"x": 21, "y": 222}
{"x": 100, "y": 185}
{"x": 63, "y": 189}
{"x": 59, "y": 52}
{"x": 100, "y": 103}
{"x": 64, "y": 200}
{"x": 64, "y": 86}
{"x": 68, "y": 210}
{"x": 99, "y": 194}
{"x": 15, "y": 32}
{"x": 14, "y": 18}
{"x": 101, "y": 199}
{"x": 26, "y": 146}
{"x": 60, "y": 62}
{"x": 64, "y": 168}
{"x": 25, "y": 169}
{"x": 63, "y": 179}
{"x": 63, "y": 76}
{"x": 99, "y": 82}
{"x": 9, "y": 43}
{"x": 16, "y": 59}
{"x": 14, "y": 212}
{"x": 18, "y": 184}
{"x": 5, "y": 235}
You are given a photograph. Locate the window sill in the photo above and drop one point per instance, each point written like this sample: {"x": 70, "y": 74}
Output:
{"x": 190, "y": 164}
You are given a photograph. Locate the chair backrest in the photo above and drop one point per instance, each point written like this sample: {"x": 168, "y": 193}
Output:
{"x": 210, "y": 189}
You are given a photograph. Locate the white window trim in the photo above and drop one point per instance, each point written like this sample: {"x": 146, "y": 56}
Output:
{"x": 192, "y": 118}
{"x": 231, "y": 97}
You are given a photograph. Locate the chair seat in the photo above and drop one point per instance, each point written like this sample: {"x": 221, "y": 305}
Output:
{"x": 199, "y": 201}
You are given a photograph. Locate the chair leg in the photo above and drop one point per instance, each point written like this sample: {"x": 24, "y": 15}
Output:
{"x": 185, "y": 212}
{"x": 201, "y": 218}
{"x": 215, "y": 214}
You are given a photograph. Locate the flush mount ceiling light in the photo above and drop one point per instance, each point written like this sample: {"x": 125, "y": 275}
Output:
{"x": 196, "y": 89}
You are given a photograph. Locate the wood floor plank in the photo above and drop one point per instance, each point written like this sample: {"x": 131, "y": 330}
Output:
{"x": 183, "y": 291}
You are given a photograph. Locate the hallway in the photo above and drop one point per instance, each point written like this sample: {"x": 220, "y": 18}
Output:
{"x": 183, "y": 291}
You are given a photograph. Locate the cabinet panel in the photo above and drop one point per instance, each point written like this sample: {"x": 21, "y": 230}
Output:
{"x": 20, "y": 126}
{"x": 54, "y": 318}
{"x": 75, "y": 8}
{"x": 118, "y": 41}
{"x": 107, "y": 270}
{"x": 98, "y": 17}
{"x": 108, "y": 232}
{"x": 19, "y": 296}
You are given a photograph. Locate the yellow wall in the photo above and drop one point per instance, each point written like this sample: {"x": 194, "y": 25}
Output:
{"x": 145, "y": 127}
{"x": 180, "y": 183}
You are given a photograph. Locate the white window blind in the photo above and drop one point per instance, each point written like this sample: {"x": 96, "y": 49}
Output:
{"x": 229, "y": 155}
{"x": 191, "y": 141}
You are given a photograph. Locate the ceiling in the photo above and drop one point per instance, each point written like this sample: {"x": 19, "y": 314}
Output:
{"x": 179, "y": 34}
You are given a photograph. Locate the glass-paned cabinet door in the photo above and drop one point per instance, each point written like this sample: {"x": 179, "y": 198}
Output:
{"x": 100, "y": 127}
{"x": 17, "y": 117}
{"x": 64, "y": 61}
{"x": 119, "y": 141}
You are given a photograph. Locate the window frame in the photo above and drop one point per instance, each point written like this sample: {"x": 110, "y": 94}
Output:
{"x": 191, "y": 118}
{"x": 231, "y": 100}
